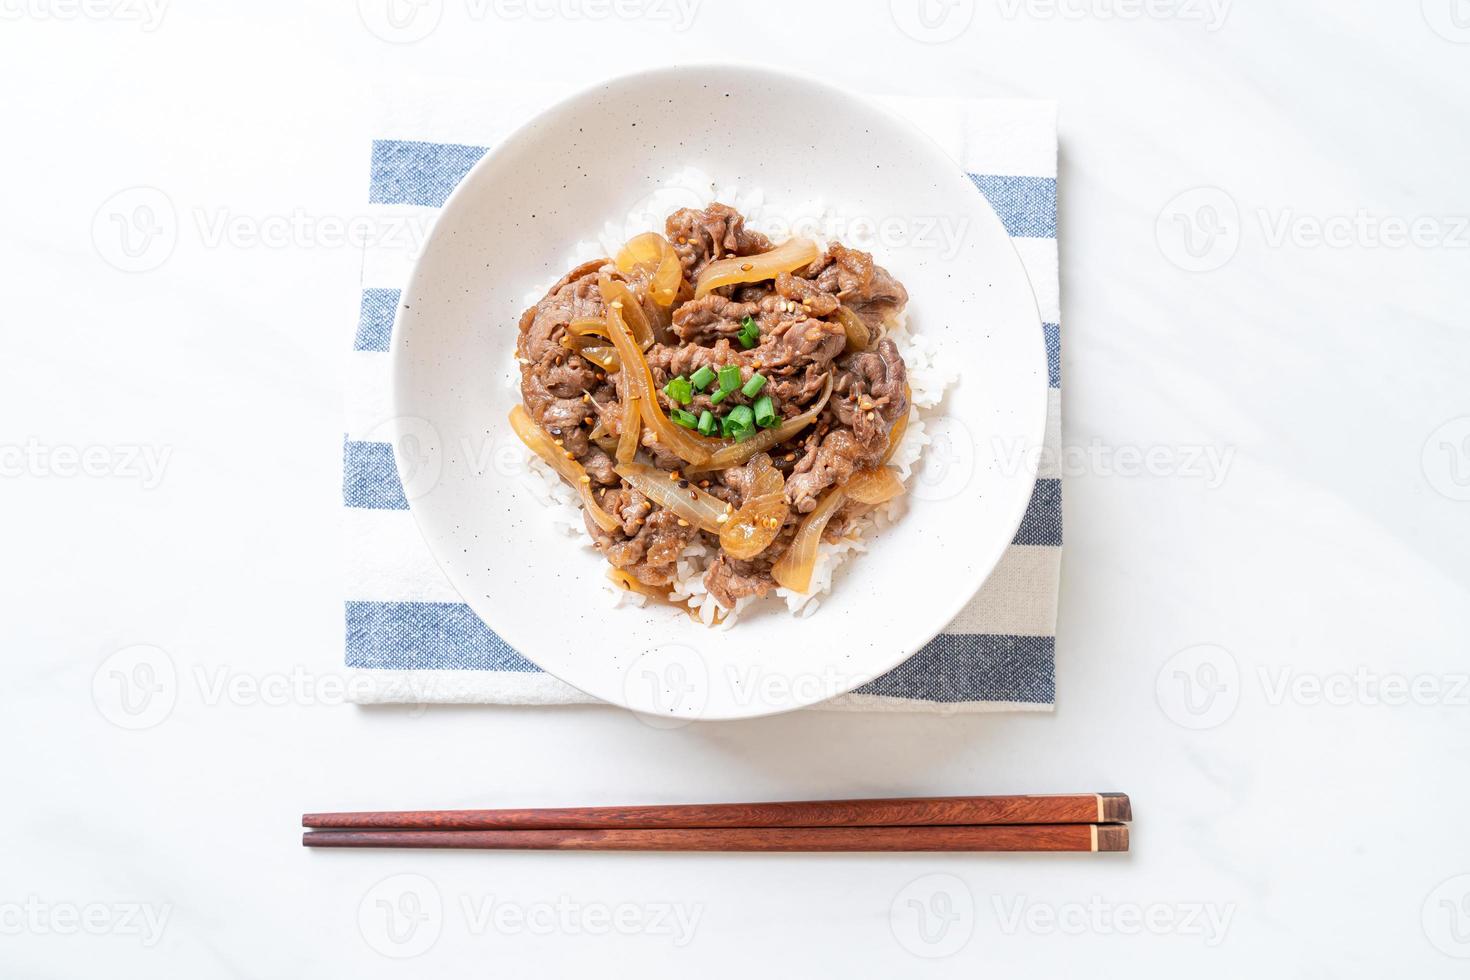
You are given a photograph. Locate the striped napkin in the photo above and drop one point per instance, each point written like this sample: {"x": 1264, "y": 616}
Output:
{"x": 409, "y": 638}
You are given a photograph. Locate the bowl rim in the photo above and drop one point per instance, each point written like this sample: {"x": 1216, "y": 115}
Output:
{"x": 408, "y": 297}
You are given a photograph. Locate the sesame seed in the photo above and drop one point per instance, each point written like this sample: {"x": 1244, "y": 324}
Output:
{"x": 586, "y": 478}
{"x": 722, "y": 518}
{"x": 683, "y": 523}
{"x": 674, "y": 475}
{"x": 746, "y": 267}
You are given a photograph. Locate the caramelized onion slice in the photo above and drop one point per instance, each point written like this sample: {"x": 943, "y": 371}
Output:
{"x": 584, "y": 326}
{"x": 652, "y": 253}
{"x": 595, "y": 349}
{"x": 759, "y": 520}
{"x": 875, "y": 486}
{"x": 704, "y": 511}
{"x": 736, "y": 454}
{"x": 603, "y": 356}
{"x": 683, "y": 443}
{"x": 794, "y": 253}
{"x": 632, "y": 428}
{"x": 794, "y": 569}
{"x": 895, "y": 434}
{"x": 859, "y": 337}
{"x": 754, "y": 526}
{"x": 566, "y": 467}
{"x": 617, "y": 291}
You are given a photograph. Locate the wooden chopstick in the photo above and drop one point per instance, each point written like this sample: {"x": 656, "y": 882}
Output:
{"x": 1078, "y": 808}
{"x": 1084, "y": 837}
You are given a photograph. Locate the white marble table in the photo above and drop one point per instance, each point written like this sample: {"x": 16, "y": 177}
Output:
{"x": 1264, "y": 609}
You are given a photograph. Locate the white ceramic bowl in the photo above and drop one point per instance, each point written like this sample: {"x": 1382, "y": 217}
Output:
{"x": 508, "y": 228}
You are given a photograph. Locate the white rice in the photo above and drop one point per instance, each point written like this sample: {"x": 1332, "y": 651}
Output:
{"x": 928, "y": 380}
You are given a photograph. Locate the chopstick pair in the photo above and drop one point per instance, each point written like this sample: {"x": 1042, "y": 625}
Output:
{"x": 1083, "y": 822}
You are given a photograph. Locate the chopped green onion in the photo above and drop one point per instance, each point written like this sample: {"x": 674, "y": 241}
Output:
{"x": 717, "y": 397}
{"x": 679, "y": 391}
{"x": 750, "y": 333}
{"x": 700, "y": 379}
{"x": 706, "y": 423}
{"x": 729, "y": 377}
{"x": 754, "y": 385}
{"x": 687, "y": 419}
{"x": 765, "y": 413}
{"x": 740, "y": 423}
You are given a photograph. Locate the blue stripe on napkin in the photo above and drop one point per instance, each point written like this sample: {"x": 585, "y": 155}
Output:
{"x": 370, "y": 477}
{"x": 426, "y": 636}
{"x": 375, "y": 319}
{"x": 411, "y": 172}
{"x": 1053, "y": 334}
{"x": 955, "y": 667}
{"x": 1027, "y": 205}
{"x": 1043, "y": 521}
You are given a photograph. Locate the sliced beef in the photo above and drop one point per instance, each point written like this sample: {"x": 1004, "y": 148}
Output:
{"x": 729, "y": 579}
{"x": 863, "y": 286}
{"x": 700, "y": 236}
{"x": 839, "y": 456}
{"x": 872, "y": 383}
{"x": 599, "y": 466}
{"x": 711, "y": 318}
{"x": 868, "y": 398}
{"x": 543, "y": 325}
{"x": 805, "y": 293}
{"x": 651, "y": 552}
